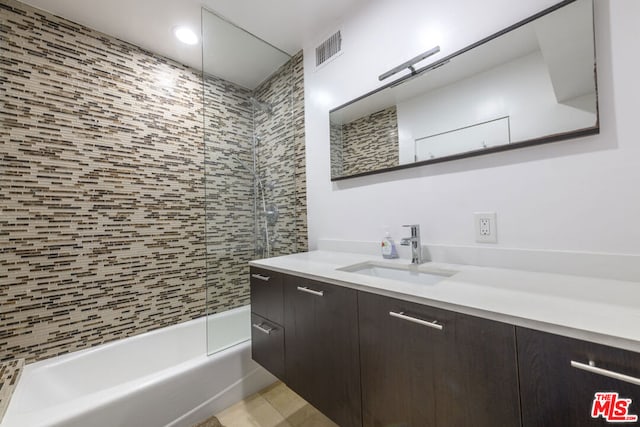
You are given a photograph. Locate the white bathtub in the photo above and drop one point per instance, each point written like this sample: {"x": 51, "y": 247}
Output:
{"x": 160, "y": 378}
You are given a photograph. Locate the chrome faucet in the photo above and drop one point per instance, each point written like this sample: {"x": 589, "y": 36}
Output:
{"x": 414, "y": 241}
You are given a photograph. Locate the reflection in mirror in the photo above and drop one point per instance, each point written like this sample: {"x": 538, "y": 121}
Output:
{"x": 365, "y": 144}
{"x": 530, "y": 84}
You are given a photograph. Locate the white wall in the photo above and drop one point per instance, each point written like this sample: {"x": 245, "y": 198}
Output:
{"x": 580, "y": 195}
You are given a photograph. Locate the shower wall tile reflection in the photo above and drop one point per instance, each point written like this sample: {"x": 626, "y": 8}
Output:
{"x": 366, "y": 144}
{"x": 336, "y": 150}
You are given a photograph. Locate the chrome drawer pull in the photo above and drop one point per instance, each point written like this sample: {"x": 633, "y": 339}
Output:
{"x": 401, "y": 315}
{"x": 261, "y": 277}
{"x": 591, "y": 367}
{"x": 311, "y": 291}
{"x": 262, "y": 328}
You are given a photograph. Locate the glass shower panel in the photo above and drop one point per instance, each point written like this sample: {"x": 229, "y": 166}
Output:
{"x": 275, "y": 166}
{"x": 249, "y": 165}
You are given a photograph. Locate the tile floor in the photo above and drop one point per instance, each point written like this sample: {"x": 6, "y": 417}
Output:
{"x": 275, "y": 406}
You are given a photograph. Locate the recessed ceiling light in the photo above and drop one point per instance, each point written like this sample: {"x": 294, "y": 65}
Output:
{"x": 185, "y": 35}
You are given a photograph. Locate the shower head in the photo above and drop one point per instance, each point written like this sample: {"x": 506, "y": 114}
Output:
{"x": 261, "y": 106}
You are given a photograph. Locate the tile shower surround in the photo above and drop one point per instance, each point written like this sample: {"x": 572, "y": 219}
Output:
{"x": 9, "y": 374}
{"x": 281, "y": 154}
{"x": 101, "y": 187}
{"x": 228, "y": 194}
{"x": 230, "y": 227}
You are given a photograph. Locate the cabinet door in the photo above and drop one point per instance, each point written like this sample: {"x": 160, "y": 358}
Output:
{"x": 481, "y": 380}
{"x": 321, "y": 347}
{"x": 266, "y": 294}
{"x": 267, "y": 345}
{"x": 558, "y": 385}
{"x": 422, "y": 366}
{"x": 400, "y": 361}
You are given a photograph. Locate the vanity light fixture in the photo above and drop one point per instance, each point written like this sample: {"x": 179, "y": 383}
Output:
{"x": 410, "y": 63}
{"x": 185, "y": 35}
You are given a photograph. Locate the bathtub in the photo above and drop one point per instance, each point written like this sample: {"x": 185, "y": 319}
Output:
{"x": 160, "y": 378}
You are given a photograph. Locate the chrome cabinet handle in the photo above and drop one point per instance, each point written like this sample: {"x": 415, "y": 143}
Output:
{"x": 261, "y": 277}
{"x": 591, "y": 367}
{"x": 262, "y": 329}
{"x": 311, "y": 291}
{"x": 434, "y": 324}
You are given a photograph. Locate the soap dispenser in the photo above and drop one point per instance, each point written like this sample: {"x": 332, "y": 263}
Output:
{"x": 388, "y": 247}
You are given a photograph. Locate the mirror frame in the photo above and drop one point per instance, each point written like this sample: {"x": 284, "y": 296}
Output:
{"x": 512, "y": 146}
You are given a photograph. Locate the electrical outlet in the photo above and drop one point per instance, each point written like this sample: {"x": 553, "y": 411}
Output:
{"x": 486, "y": 229}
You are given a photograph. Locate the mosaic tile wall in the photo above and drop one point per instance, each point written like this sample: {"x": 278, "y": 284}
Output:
{"x": 9, "y": 375}
{"x": 300, "y": 170}
{"x": 102, "y": 226}
{"x": 101, "y": 188}
{"x": 229, "y": 193}
{"x": 280, "y": 151}
{"x": 370, "y": 143}
{"x": 233, "y": 233}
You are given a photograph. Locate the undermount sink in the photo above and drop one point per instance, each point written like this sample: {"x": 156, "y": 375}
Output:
{"x": 406, "y": 273}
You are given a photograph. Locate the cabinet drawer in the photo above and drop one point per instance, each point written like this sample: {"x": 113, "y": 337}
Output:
{"x": 266, "y": 294}
{"x": 267, "y": 345}
{"x": 558, "y": 385}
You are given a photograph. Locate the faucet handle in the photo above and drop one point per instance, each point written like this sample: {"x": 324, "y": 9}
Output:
{"x": 415, "y": 229}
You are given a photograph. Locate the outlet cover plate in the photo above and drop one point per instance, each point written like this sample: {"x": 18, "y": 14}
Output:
{"x": 486, "y": 227}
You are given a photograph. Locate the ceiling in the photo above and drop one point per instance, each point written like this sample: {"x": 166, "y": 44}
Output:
{"x": 248, "y": 61}
{"x": 288, "y": 25}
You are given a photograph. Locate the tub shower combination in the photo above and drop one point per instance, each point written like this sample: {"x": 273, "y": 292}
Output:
{"x": 182, "y": 374}
{"x": 160, "y": 378}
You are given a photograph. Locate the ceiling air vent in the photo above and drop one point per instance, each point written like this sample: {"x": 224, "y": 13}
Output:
{"x": 328, "y": 49}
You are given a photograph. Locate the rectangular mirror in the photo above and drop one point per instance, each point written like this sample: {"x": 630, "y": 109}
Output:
{"x": 532, "y": 83}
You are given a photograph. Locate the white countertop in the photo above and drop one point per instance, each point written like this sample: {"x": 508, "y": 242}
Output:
{"x": 593, "y": 309}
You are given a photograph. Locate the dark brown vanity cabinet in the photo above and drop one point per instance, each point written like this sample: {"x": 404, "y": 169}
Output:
{"x": 266, "y": 294}
{"x": 422, "y": 366}
{"x": 559, "y": 379}
{"x": 321, "y": 347}
{"x": 267, "y": 333}
{"x": 369, "y": 360}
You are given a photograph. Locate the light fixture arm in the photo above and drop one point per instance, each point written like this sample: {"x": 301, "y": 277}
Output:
{"x": 410, "y": 63}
